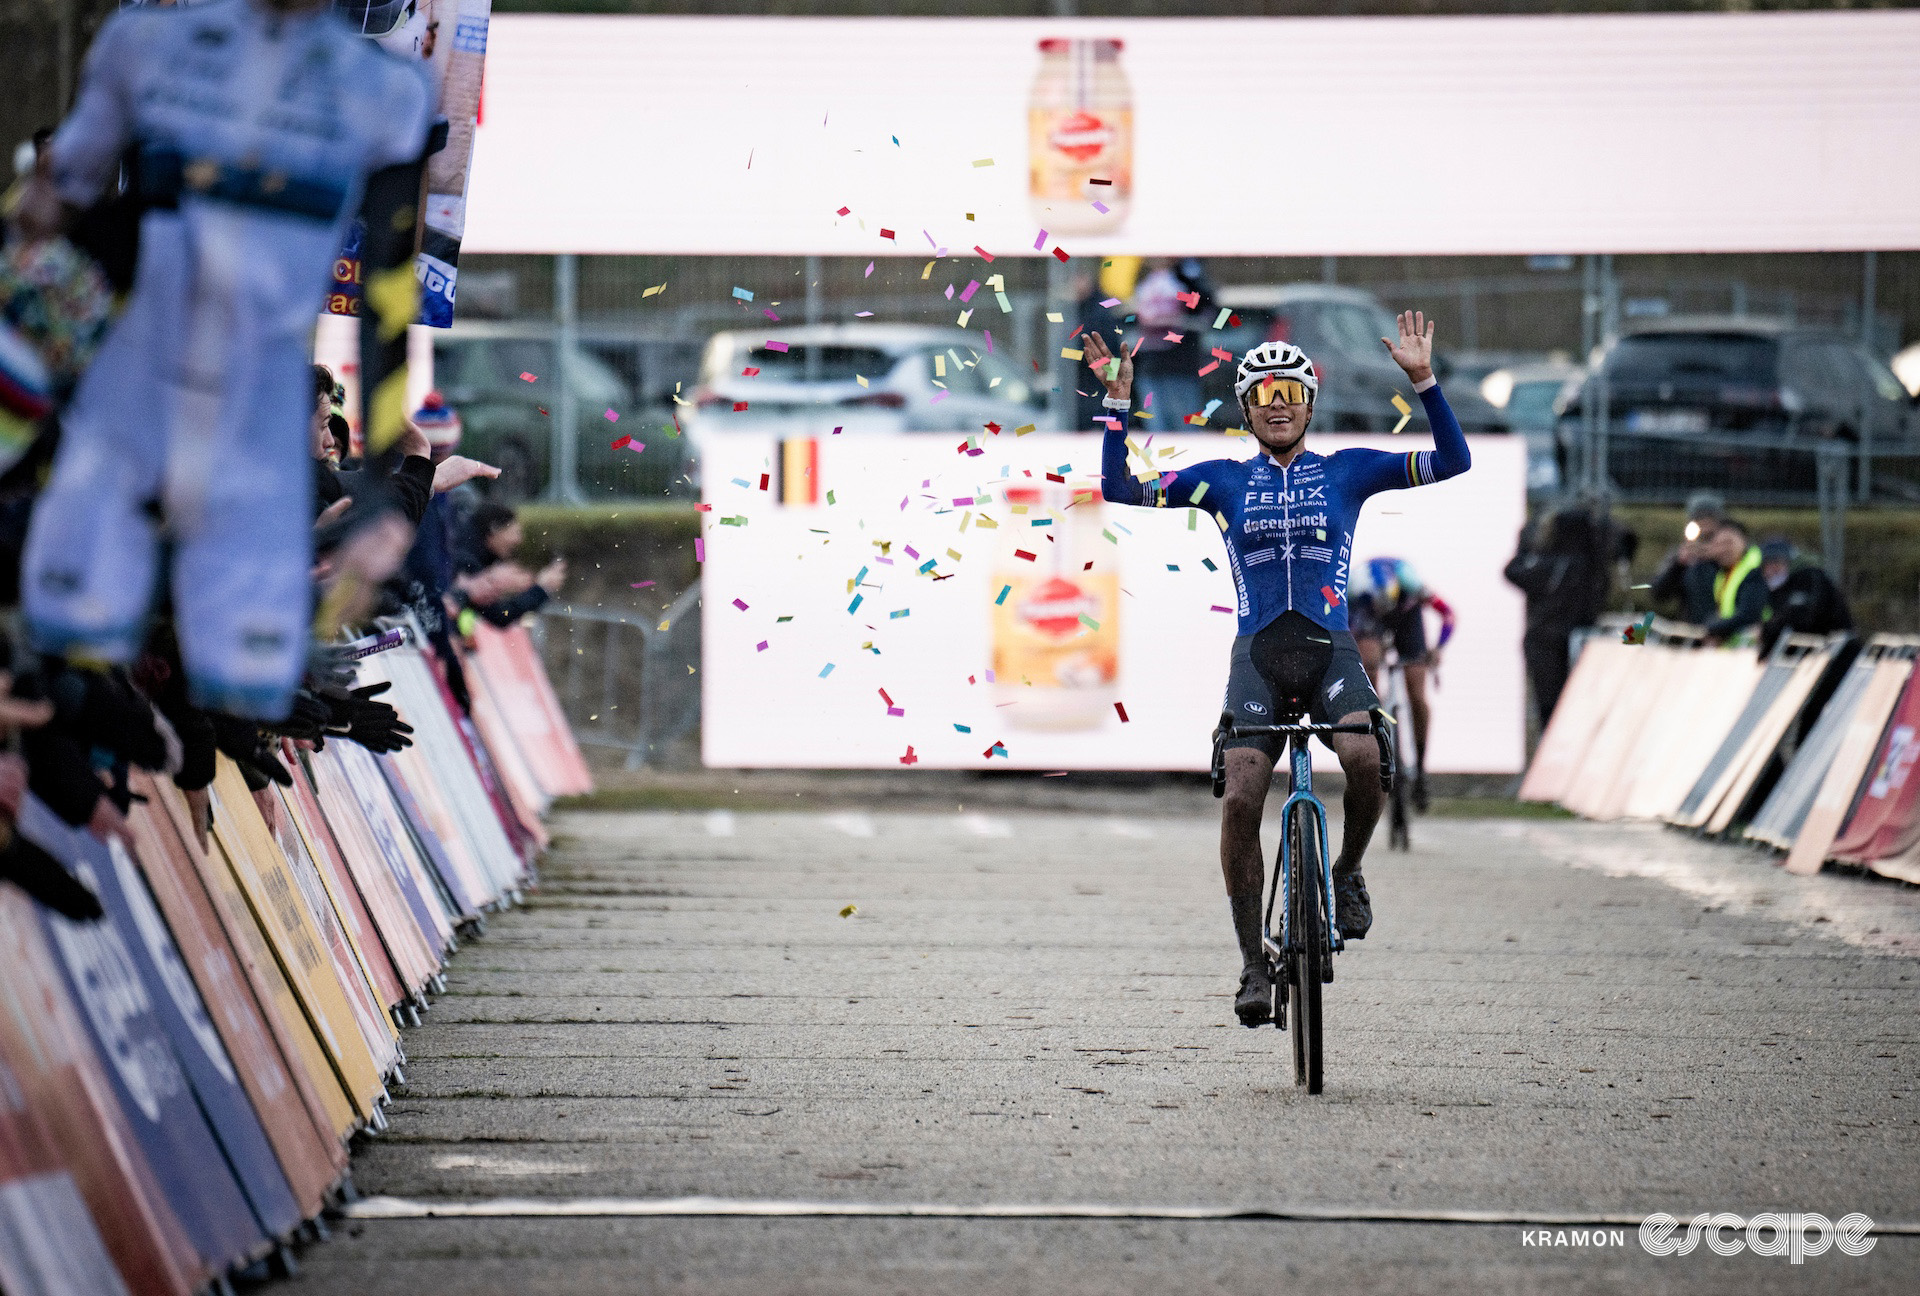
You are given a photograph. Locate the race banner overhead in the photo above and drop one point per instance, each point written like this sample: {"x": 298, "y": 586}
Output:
{"x": 1260, "y": 137}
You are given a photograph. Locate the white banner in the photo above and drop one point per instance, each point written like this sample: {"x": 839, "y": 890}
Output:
{"x": 1257, "y": 137}
{"x": 953, "y": 654}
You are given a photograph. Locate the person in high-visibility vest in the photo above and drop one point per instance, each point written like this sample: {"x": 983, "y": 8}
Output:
{"x": 1739, "y": 590}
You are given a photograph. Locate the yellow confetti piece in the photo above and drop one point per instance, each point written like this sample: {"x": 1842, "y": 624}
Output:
{"x": 927, "y": 273}
{"x": 1023, "y": 429}
{"x": 862, "y": 381}
{"x": 954, "y": 554}
{"x": 965, "y": 315}
{"x": 1071, "y": 353}
{"x": 657, "y": 288}
{"x": 983, "y": 162}
{"x": 964, "y": 519}
{"x": 997, "y": 282}
{"x": 987, "y": 523}
{"x": 1401, "y": 424}
{"x": 1055, "y": 317}
{"x": 1400, "y": 403}
{"x": 939, "y": 365}
{"x": 850, "y": 911}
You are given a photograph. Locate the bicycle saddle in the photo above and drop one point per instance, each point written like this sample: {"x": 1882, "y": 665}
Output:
{"x": 1292, "y": 654}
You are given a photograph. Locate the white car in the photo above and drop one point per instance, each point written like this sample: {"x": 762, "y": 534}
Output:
{"x": 890, "y": 378}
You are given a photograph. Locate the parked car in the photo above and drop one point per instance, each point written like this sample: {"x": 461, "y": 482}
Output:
{"x": 1684, "y": 393}
{"x": 1340, "y": 330}
{"x": 886, "y": 378}
{"x": 1906, "y": 367}
{"x": 478, "y": 368}
{"x": 1528, "y": 395}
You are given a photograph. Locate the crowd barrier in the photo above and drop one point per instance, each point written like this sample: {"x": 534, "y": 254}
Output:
{"x": 1808, "y": 752}
{"x": 179, "y": 1082}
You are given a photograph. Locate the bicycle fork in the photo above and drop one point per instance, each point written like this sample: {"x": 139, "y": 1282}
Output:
{"x": 1283, "y": 883}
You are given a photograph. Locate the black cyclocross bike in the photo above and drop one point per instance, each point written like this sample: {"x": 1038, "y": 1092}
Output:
{"x": 1300, "y": 956}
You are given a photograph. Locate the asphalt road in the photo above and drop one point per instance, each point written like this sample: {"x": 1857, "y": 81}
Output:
{"x": 1550, "y": 1019}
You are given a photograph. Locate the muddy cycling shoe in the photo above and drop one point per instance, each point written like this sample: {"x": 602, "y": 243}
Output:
{"x": 1352, "y": 909}
{"x": 1254, "y": 1004}
{"x": 1420, "y": 799}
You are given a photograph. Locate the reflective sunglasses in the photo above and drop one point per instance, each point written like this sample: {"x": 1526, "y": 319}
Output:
{"x": 1288, "y": 391}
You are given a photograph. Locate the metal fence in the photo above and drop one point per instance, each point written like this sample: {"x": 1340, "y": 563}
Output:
{"x": 625, "y": 681}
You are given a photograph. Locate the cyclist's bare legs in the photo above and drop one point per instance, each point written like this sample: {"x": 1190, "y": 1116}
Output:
{"x": 1416, "y": 674}
{"x": 1249, "y": 775}
{"x": 1360, "y": 761}
{"x": 1373, "y": 656}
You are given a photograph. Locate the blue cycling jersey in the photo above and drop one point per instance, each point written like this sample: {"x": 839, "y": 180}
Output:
{"x": 1289, "y": 530}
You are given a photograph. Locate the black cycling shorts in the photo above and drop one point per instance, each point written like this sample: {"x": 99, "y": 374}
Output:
{"x": 1409, "y": 631}
{"x": 1343, "y": 690}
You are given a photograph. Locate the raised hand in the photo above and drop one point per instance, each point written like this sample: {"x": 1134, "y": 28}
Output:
{"x": 1414, "y": 351}
{"x": 1100, "y": 358}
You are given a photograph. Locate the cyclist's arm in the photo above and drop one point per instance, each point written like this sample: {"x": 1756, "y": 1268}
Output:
{"x": 1193, "y": 486}
{"x": 1439, "y": 605}
{"x": 1381, "y": 471}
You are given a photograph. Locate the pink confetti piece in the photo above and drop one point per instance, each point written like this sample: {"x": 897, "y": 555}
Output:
{"x": 836, "y": 431}
{"x": 699, "y": 549}
{"x": 1217, "y": 608}
{"x": 1111, "y": 302}
{"x": 896, "y": 711}
{"x": 937, "y": 397}
{"x": 989, "y": 677}
{"x": 1101, "y": 207}
{"x": 983, "y": 252}
{"x": 527, "y": 377}
{"x": 1040, "y": 244}
{"x": 742, "y": 606}
{"x": 863, "y": 314}
{"x": 869, "y": 273}
{"x": 844, "y": 210}
{"x": 776, "y": 346}
{"x": 949, "y": 292}
{"x": 989, "y": 337}
{"x": 640, "y": 584}
{"x": 973, "y": 286}
{"x": 770, "y": 315}
{"x": 911, "y": 551}
{"x": 762, "y": 647}
{"x": 929, "y": 238}
{"x": 612, "y": 417}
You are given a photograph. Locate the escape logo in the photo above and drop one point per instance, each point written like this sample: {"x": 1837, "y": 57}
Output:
{"x": 1794, "y": 1235}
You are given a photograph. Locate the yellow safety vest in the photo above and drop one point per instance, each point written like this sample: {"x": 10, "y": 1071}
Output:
{"x": 1726, "y": 584}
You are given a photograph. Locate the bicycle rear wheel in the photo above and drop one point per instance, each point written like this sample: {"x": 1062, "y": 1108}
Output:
{"x": 1305, "y": 965}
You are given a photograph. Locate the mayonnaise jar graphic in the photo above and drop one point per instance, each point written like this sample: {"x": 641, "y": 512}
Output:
{"x": 1080, "y": 129}
{"x": 1056, "y": 630}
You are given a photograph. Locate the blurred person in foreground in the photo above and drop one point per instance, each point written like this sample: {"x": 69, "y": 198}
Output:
{"x": 1169, "y": 305}
{"x": 1800, "y": 598}
{"x": 1562, "y": 567}
{"x": 254, "y": 127}
{"x": 1740, "y": 592}
{"x": 1686, "y": 575}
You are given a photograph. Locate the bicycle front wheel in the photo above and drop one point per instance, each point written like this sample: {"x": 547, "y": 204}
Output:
{"x": 1306, "y": 965}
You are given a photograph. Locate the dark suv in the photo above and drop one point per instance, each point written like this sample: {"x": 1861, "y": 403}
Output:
{"x": 1685, "y": 394}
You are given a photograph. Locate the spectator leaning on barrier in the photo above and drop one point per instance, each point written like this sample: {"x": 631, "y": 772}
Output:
{"x": 493, "y": 587}
{"x": 1686, "y": 574}
{"x": 1739, "y": 590}
{"x": 1563, "y": 567}
{"x": 1802, "y": 598}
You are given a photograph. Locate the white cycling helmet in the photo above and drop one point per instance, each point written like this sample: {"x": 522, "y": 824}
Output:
{"x": 1274, "y": 360}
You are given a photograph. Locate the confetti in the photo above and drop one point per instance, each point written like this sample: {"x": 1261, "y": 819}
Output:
{"x": 983, "y": 162}
{"x": 964, "y": 728}
{"x": 761, "y": 646}
{"x": 1123, "y": 713}
{"x": 1217, "y": 608}
{"x": 853, "y": 606}
{"x": 851, "y": 910}
{"x": 776, "y": 346}
{"x": 1100, "y": 207}
{"x": 620, "y": 443}
{"x": 1021, "y": 553}
{"x": 640, "y": 585}
{"x": 973, "y": 286}
{"x": 742, "y": 606}
{"x": 743, "y": 294}
{"x": 1220, "y": 320}
{"x": 903, "y": 612}
{"x": 1406, "y": 411}
{"x": 826, "y": 670}
{"x": 1060, "y": 253}
{"x": 982, "y": 251}
{"x": 527, "y": 377}
{"x": 1111, "y": 302}
{"x": 1004, "y": 591}
{"x": 869, "y": 271}
{"x": 1072, "y": 353}
{"x": 612, "y": 417}
{"x": 888, "y": 234}
{"x": 657, "y": 288}
{"x": 1040, "y": 244}
{"x": 843, "y": 211}
{"x": 699, "y": 549}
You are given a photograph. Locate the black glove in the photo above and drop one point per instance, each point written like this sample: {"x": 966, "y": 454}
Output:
{"x": 374, "y": 725}
{"x": 308, "y": 720}
{"x": 103, "y": 709}
{"x": 41, "y": 876}
{"x": 251, "y": 750}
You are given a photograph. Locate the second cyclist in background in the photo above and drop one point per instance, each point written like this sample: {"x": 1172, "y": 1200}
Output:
{"x": 1386, "y": 599}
